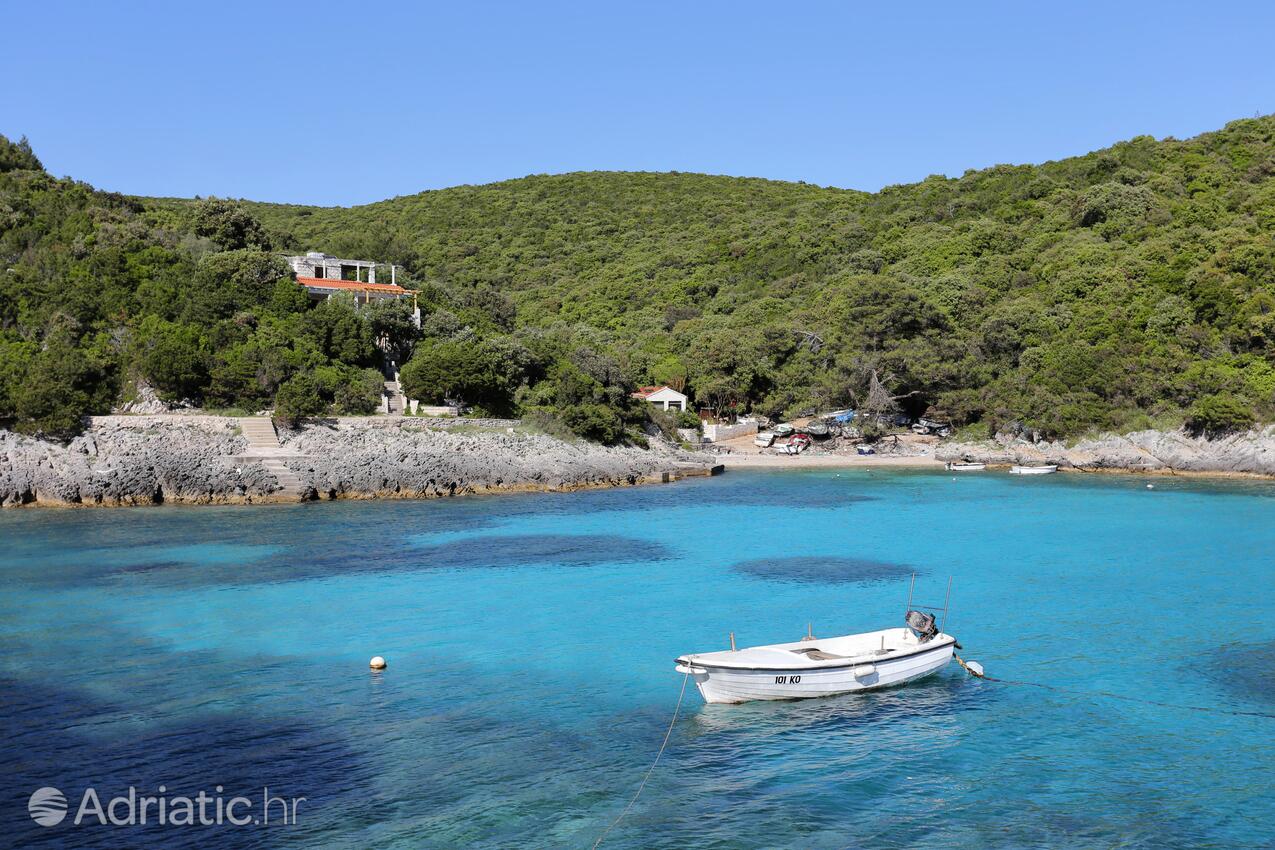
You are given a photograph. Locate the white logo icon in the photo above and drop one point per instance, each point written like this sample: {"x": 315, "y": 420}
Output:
{"x": 47, "y": 806}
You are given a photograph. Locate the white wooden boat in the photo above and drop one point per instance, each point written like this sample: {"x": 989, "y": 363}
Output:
{"x": 952, "y": 466}
{"x": 821, "y": 667}
{"x": 764, "y": 439}
{"x": 1041, "y": 469}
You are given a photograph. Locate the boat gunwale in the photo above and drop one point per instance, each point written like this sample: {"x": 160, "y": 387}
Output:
{"x": 685, "y": 660}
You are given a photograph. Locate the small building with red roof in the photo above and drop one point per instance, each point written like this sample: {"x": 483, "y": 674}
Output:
{"x": 665, "y": 397}
{"x": 324, "y": 275}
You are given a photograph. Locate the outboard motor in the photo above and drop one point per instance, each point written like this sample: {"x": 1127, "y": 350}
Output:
{"x": 922, "y": 625}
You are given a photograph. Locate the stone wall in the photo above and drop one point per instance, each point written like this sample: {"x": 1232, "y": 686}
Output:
{"x": 717, "y": 433}
{"x": 306, "y": 265}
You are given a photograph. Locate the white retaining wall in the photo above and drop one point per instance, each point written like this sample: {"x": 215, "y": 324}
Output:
{"x": 717, "y": 433}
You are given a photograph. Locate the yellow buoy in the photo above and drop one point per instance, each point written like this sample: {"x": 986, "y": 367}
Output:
{"x": 377, "y": 663}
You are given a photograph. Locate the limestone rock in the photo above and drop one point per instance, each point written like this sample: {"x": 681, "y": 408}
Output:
{"x": 132, "y": 460}
{"x": 1252, "y": 452}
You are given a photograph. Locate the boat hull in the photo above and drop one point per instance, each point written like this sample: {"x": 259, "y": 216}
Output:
{"x": 734, "y": 685}
{"x": 1033, "y": 470}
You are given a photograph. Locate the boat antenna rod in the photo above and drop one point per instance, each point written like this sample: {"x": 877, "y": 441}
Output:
{"x": 911, "y": 587}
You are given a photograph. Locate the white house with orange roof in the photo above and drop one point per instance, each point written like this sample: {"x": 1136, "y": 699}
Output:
{"x": 324, "y": 275}
{"x": 666, "y": 398}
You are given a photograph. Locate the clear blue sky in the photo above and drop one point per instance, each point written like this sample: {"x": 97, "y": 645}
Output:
{"x": 350, "y": 103}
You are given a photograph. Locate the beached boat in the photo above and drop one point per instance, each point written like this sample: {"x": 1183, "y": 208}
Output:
{"x": 964, "y": 466}
{"x": 764, "y": 439}
{"x": 821, "y": 667}
{"x": 796, "y": 444}
{"x": 1035, "y": 469}
{"x": 932, "y": 426}
{"x": 817, "y": 429}
{"x": 783, "y": 429}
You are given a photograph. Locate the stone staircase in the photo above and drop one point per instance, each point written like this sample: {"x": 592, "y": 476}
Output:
{"x": 289, "y": 483}
{"x": 264, "y": 448}
{"x": 259, "y": 431}
{"x": 397, "y": 401}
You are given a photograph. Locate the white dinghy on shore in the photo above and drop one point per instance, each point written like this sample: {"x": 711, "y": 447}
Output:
{"x": 820, "y": 667}
{"x": 1035, "y": 469}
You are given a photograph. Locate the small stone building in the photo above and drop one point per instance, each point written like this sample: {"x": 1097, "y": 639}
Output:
{"x": 322, "y": 266}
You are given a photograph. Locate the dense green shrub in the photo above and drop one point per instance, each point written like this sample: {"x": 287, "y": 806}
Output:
{"x": 342, "y": 332}
{"x": 482, "y": 373}
{"x": 1215, "y": 415}
{"x": 18, "y": 155}
{"x": 61, "y": 383}
{"x": 172, "y": 357}
{"x": 298, "y": 399}
{"x": 351, "y": 391}
{"x": 596, "y": 422}
{"x": 393, "y": 327}
{"x": 230, "y": 225}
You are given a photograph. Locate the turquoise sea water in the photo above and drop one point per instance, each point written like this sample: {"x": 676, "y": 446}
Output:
{"x": 530, "y": 642}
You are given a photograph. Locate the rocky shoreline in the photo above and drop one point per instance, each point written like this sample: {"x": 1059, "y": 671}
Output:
{"x": 147, "y": 460}
{"x": 1249, "y": 454}
{"x": 190, "y": 459}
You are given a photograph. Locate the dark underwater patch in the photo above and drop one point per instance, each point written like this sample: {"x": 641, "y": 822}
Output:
{"x": 68, "y": 740}
{"x": 537, "y": 550}
{"x": 371, "y": 552}
{"x": 1247, "y": 671}
{"x": 818, "y": 569}
{"x": 800, "y": 492}
{"x": 291, "y": 543}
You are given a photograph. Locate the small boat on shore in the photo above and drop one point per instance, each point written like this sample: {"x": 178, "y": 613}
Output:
{"x": 1034, "y": 469}
{"x": 813, "y": 667}
{"x": 964, "y": 466}
{"x": 796, "y": 444}
{"x": 783, "y": 429}
{"x": 817, "y": 429}
{"x": 764, "y": 439}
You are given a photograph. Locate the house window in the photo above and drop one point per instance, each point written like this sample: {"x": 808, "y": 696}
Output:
{"x": 319, "y": 272}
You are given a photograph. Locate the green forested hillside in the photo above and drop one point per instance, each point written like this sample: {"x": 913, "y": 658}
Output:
{"x": 1129, "y": 285}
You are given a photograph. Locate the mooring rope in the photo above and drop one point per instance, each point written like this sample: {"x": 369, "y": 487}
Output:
{"x": 1113, "y": 695}
{"x": 650, "y": 769}
{"x": 977, "y": 673}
